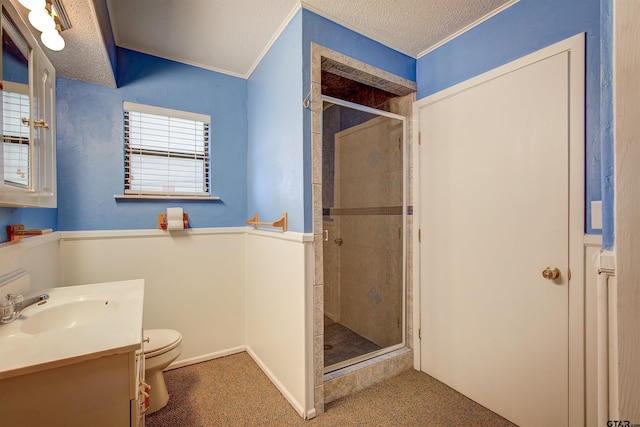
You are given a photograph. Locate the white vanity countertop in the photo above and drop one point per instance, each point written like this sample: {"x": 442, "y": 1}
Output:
{"x": 81, "y": 325}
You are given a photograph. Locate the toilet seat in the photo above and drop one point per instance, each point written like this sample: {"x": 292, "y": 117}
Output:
{"x": 160, "y": 341}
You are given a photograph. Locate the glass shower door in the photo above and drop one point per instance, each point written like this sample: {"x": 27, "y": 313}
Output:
{"x": 364, "y": 223}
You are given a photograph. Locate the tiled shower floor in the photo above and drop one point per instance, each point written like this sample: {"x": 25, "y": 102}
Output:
{"x": 341, "y": 343}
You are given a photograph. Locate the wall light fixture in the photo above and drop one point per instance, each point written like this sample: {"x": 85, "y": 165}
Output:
{"x": 48, "y": 17}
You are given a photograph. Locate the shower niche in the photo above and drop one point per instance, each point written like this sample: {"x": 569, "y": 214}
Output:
{"x": 364, "y": 222}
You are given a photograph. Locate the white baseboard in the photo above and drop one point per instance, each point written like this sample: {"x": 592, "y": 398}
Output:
{"x": 296, "y": 405}
{"x": 205, "y": 357}
{"x": 311, "y": 413}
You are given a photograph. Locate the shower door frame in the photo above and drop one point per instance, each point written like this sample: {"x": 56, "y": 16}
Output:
{"x": 405, "y": 166}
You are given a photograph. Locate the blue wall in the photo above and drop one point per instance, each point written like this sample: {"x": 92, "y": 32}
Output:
{"x": 279, "y": 152}
{"x": 324, "y": 32}
{"x": 90, "y": 143}
{"x": 527, "y": 26}
{"x": 30, "y": 217}
{"x": 261, "y": 135}
{"x": 275, "y": 168}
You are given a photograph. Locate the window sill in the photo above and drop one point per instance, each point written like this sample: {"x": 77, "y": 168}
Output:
{"x": 159, "y": 197}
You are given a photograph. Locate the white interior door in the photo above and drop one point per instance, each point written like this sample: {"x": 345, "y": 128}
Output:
{"x": 494, "y": 213}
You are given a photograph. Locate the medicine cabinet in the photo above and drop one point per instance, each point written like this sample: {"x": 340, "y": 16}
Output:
{"x": 27, "y": 122}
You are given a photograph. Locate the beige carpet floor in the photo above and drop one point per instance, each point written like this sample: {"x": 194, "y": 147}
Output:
{"x": 233, "y": 391}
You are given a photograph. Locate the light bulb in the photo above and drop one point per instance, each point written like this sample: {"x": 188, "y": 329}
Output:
{"x": 53, "y": 40}
{"x": 41, "y": 20}
{"x": 33, "y": 4}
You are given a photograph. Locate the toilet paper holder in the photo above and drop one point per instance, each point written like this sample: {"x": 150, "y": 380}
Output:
{"x": 162, "y": 220}
{"x": 18, "y": 232}
{"x": 282, "y": 222}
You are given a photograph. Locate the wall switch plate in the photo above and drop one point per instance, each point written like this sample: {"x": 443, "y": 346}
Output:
{"x": 596, "y": 215}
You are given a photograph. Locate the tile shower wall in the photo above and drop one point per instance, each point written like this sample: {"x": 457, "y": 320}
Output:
{"x": 368, "y": 213}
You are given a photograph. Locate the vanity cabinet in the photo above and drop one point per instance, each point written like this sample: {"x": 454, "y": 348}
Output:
{"x": 27, "y": 123}
{"x": 76, "y": 361}
{"x": 101, "y": 392}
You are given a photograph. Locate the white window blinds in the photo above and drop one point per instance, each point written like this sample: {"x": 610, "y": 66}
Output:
{"x": 166, "y": 151}
{"x": 15, "y": 136}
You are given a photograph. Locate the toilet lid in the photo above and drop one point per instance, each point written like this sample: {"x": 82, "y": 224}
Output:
{"x": 160, "y": 341}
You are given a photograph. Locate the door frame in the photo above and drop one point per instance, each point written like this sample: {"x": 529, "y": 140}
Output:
{"x": 575, "y": 46}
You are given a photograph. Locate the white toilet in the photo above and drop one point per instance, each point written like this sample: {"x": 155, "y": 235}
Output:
{"x": 161, "y": 347}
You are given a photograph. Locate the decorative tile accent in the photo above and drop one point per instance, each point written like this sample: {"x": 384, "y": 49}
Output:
{"x": 375, "y": 210}
{"x": 364, "y": 374}
{"x": 340, "y": 387}
{"x": 374, "y": 158}
{"x": 318, "y": 308}
{"x": 317, "y": 208}
{"x": 316, "y": 108}
{"x": 370, "y": 375}
{"x": 316, "y": 158}
{"x": 410, "y": 336}
{"x": 362, "y": 74}
{"x": 318, "y": 399}
{"x": 400, "y": 364}
{"x": 318, "y": 359}
{"x": 318, "y": 260}
{"x": 370, "y": 362}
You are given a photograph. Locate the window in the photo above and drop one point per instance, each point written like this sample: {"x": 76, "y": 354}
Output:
{"x": 15, "y": 136}
{"x": 166, "y": 152}
{"x": 15, "y": 106}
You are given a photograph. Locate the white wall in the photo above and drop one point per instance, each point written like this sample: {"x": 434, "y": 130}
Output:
{"x": 279, "y": 308}
{"x": 193, "y": 280}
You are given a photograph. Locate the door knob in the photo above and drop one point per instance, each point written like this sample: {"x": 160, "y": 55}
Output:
{"x": 551, "y": 273}
{"x": 338, "y": 241}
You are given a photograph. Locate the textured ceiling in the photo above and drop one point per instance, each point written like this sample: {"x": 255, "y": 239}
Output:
{"x": 231, "y": 36}
{"x": 222, "y": 35}
{"x": 409, "y": 26}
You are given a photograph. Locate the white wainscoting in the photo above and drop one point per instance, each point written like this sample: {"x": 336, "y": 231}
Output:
{"x": 38, "y": 256}
{"x": 592, "y": 303}
{"x": 225, "y": 289}
{"x": 601, "y": 338}
{"x": 193, "y": 280}
{"x": 279, "y": 311}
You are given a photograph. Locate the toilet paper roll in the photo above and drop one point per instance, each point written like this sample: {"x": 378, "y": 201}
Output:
{"x": 174, "y": 219}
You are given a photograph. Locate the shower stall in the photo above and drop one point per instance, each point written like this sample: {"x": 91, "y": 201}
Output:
{"x": 364, "y": 223}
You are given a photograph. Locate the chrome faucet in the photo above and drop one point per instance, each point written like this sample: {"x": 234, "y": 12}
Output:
{"x": 14, "y": 304}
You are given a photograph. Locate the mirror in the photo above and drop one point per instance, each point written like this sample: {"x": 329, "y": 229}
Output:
{"x": 16, "y": 111}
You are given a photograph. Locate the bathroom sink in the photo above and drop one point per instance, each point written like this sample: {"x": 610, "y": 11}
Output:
{"x": 53, "y": 317}
{"x": 76, "y": 324}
